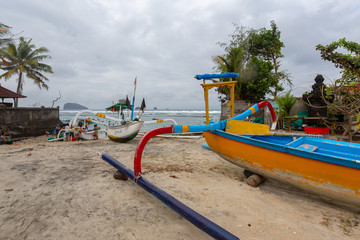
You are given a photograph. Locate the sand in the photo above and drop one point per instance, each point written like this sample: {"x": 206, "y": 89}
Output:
{"x": 64, "y": 190}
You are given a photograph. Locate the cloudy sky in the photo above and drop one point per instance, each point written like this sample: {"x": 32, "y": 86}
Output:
{"x": 98, "y": 47}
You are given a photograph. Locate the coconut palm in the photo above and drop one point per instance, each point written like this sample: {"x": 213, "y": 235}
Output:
{"x": 233, "y": 61}
{"x": 5, "y": 38}
{"x": 25, "y": 61}
{"x": 5, "y": 35}
{"x": 285, "y": 102}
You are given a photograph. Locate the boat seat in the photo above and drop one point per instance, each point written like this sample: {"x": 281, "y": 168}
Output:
{"x": 307, "y": 147}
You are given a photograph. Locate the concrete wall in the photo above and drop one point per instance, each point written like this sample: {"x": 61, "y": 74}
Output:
{"x": 241, "y": 106}
{"x": 22, "y": 122}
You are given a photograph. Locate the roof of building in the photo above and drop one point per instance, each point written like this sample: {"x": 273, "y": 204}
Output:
{"x": 6, "y": 93}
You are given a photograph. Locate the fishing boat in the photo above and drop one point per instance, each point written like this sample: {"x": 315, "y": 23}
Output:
{"x": 124, "y": 133}
{"x": 321, "y": 166}
{"x": 116, "y": 128}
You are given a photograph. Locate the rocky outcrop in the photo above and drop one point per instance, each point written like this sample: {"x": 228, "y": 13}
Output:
{"x": 74, "y": 106}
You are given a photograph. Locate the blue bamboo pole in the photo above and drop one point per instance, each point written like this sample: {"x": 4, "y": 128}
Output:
{"x": 195, "y": 218}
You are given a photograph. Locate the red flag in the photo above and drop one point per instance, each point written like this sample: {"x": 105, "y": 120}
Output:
{"x": 135, "y": 81}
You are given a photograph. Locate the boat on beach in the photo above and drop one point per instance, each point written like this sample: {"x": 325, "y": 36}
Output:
{"x": 124, "y": 133}
{"x": 115, "y": 128}
{"x": 321, "y": 166}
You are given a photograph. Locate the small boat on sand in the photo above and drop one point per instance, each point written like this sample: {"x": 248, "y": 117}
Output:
{"x": 124, "y": 133}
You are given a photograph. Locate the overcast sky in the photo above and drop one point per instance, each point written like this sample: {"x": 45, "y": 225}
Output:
{"x": 98, "y": 47}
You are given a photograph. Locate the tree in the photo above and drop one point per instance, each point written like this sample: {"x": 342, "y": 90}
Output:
{"x": 343, "y": 97}
{"x": 5, "y": 38}
{"x": 266, "y": 45}
{"x": 254, "y": 78}
{"x": 285, "y": 102}
{"x": 252, "y": 59}
{"x": 233, "y": 61}
{"x": 5, "y": 35}
{"x": 349, "y": 62}
{"x": 260, "y": 78}
{"x": 25, "y": 59}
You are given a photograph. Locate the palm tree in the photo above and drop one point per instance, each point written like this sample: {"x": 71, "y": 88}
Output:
{"x": 5, "y": 34}
{"x": 285, "y": 102}
{"x": 25, "y": 60}
{"x": 5, "y": 38}
{"x": 233, "y": 61}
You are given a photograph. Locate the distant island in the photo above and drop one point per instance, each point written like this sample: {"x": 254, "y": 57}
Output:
{"x": 74, "y": 106}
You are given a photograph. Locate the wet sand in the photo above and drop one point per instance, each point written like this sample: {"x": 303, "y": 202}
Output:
{"x": 64, "y": 190}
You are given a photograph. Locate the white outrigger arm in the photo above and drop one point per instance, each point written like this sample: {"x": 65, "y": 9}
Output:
{"x": 97, "y": 114}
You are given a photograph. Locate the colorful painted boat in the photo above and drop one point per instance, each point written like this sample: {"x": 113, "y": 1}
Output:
{"x": 321, "y": 166}
{"x": 124, "y": 133}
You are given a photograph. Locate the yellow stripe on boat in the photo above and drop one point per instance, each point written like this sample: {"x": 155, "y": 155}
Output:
{"x": 160, "y": 120}
{"x": 100, "y": 115}
{"x": 242, "y": 127}
{"x": 185, "y": 128}
{"x": 252, "y": 109}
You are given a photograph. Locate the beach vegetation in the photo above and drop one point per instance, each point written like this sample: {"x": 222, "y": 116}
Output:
{"x": 25, "y": 60}
{"x": 343, "y": 95}
{"x": 5, "y": 38}
{"x": 285, "y": 102}
{"x": 5, "y": 35}
{"x": 266, "y": 45}
{"x": 255, "y": 56}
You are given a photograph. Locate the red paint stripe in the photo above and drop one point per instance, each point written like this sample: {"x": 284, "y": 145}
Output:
{"x": 263, "y": 103}
{"x": 141, "y": 145}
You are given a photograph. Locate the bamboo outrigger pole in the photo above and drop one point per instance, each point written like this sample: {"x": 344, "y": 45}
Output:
{"x": 195, "y": 218}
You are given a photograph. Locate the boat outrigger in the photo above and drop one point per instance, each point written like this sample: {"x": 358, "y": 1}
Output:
{"x": 117, "y": 128}
{"x": 320, "y": 166}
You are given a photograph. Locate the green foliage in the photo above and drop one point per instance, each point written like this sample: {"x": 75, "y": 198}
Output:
{"x": 5, "y": 35}
{"x": 25, "y": 59}
{"x": 285, "y": 102}
{"x": 349, "y": 62}
{"x": 261, "y": 78}
{"x": 343, "y": 96}
{"x": 251, "y": 53}
{"x": 266, "y": 45}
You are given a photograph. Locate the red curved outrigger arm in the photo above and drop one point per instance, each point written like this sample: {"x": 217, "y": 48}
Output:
{"x": 141, "y": 145}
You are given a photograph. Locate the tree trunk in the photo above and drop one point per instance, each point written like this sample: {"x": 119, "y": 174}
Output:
{"x": 276, "y": 76}
{"x": 19, "y": 89}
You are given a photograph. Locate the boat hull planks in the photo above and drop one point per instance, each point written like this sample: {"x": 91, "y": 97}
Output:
{"x": 316, "y": 176}
{"x": 124, "y": 133}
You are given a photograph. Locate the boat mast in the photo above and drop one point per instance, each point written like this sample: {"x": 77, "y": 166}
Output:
{"x": 133, "y": 103}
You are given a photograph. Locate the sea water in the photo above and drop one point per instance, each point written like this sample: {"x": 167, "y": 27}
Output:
{"x": 181, "y": 117}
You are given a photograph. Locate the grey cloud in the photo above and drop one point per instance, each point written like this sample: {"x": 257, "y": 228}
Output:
{"x": 99, "y": 47}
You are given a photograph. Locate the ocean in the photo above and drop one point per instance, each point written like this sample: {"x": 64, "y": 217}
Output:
{"x": 182, "y": 117}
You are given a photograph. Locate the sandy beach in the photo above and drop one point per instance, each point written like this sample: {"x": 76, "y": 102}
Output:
{"x": 64, "y": 190}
